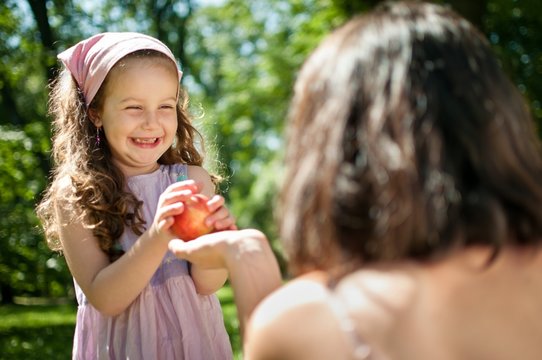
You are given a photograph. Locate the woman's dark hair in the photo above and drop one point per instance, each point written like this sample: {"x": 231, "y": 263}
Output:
{"x": 406, "y": 140}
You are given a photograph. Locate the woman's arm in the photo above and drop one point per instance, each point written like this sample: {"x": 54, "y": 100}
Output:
{"x": 253, "y": 269}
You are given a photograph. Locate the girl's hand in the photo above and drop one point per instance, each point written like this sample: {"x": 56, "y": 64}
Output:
{"x": 220, "y": 218}
{"x": 170, "y": 204}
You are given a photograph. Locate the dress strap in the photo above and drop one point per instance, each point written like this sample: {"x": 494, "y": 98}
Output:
{"x": 361, "y": 351}
{"x": 183, "y": 172}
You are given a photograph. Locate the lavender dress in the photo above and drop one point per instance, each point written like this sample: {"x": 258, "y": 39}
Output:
{"x": 168, "y": 320}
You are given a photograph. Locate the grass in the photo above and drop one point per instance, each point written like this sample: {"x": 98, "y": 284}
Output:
{"x": 46, "y": 331}
{"x": 225, "y": 295}
{"x": 36, "y": 331}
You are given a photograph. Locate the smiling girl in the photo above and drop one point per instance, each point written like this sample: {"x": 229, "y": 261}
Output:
{"x": 125, "y": 161}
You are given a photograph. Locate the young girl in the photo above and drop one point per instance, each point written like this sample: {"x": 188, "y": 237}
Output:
{"x": 125, "y": 161}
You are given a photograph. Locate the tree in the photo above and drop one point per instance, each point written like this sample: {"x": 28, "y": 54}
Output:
{"x": 25, "y": 266}
{"x": 243, "y": 58}
{"x": 240, "y": 59}
{"x": 513, "y": 29}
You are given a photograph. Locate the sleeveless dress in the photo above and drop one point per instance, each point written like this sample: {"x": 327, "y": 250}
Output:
{"x": 168, "y": 320}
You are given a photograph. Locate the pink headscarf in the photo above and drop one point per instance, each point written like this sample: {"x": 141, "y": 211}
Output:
{"x": 90, "y": 60}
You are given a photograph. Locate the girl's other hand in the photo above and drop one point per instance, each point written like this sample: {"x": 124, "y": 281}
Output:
{"x": 220, "y": 218}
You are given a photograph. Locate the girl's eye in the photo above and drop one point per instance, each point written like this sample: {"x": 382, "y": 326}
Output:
{"x": 167, "y": 107}
{"x": 133, "y": 107}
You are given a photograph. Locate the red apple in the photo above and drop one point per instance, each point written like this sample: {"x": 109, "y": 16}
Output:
{"x": 190, "y": 224}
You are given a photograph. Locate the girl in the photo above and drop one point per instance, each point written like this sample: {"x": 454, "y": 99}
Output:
{"x": 122, "y": 139}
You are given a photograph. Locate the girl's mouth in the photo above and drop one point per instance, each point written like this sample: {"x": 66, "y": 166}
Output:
{"x": 146, "y": 141}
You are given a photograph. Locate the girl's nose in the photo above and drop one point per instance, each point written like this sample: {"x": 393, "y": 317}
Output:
{"x": 151, "y": 119}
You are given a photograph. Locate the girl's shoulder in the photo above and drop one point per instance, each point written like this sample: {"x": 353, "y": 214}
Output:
{"x": 181, "y": 172}
{"x": 197, "y": 173}
{"x": 202, "y": 177}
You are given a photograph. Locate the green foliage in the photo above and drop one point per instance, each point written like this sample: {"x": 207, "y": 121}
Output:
{"x": 225, "y": 295}
{"x": 240, "y": 59}
{"x": 26, "y": 264}
{"x": 243, "y": 57}
{"x": 513, "y": 27}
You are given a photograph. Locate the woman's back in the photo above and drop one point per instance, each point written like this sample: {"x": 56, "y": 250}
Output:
{"x": 456, "y": 308}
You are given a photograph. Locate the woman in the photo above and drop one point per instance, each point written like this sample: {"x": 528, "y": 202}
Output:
{"x": 410, "y": 210}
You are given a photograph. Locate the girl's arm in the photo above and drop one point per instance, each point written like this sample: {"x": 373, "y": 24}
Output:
{"x": 208, "y": 280}
{"x": 246, "y": 254}
{"x": 112, "y": 287}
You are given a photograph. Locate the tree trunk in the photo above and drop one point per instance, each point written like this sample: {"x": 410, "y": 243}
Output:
{"x": 6, "y": 294}
{"x": 39, "y": 10}
{"x": 10, "y": 115}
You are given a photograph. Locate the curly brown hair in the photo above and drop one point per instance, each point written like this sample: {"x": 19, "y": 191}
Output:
{"x": 407, "y": 140}
{"x": 84, "y": 176}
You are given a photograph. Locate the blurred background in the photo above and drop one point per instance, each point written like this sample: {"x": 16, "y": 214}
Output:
{"x": 240, "y": 59}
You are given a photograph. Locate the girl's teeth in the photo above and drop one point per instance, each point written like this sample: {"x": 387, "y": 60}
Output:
{"x": 145, "y": 141}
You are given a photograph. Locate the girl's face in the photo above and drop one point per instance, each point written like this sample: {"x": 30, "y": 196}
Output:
{"x": 138, "y": 115}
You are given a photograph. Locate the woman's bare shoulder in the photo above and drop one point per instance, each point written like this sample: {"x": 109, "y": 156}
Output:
{"x": 291, "y": 297}
{"x": 286, "y": 324}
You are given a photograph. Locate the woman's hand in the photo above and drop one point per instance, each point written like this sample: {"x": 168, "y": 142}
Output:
{"x": 246, "y": 254}
{"x": 212, "y": 251}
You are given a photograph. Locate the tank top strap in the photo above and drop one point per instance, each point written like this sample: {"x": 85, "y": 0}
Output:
{"x": 360, "y": 350}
